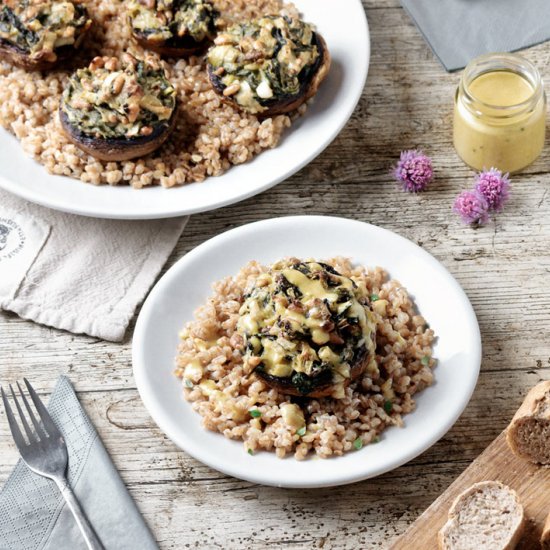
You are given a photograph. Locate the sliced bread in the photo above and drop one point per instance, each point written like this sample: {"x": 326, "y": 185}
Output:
{"x": 529, "y": 432}
{"x": 488, "y": 515}
{"x": 545, "y": 539}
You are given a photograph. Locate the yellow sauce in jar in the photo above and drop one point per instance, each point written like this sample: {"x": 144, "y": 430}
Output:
{"x": 501, "y": 88}
{"x": 500, "y": 113}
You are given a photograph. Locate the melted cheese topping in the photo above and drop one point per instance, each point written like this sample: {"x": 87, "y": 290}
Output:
{"x": 165, "y": 20}
{"x": 263, "y": 59}
{"x": 304, "y": 317}
{"x": 41, "y": 26}
{"x": 118, "y": 98}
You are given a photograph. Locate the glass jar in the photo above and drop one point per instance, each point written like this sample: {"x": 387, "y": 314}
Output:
{"x": 500, "y": 113}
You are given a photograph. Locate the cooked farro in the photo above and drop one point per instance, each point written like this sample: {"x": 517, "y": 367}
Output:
{"x": 211, "y": 366}
{"x": 209, "y": 138}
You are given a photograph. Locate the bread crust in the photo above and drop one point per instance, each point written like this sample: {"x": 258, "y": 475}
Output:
{"x": 528, "y": 410}
{"x": 545, "y": 537}
{"x": 459, "y": 500}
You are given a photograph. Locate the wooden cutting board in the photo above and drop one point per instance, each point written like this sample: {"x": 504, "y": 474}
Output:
{"x": 497, "y": 462}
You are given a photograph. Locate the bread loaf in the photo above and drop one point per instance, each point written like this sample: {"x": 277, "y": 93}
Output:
{"x": 529, "y": 432}
{"x": 486, "y": 516}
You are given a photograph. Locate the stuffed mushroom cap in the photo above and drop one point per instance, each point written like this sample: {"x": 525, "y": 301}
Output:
{"x": 268, "y": 66}
{"x": 38, "y": 34}
{"x": 118, "y": 109}
{"x": 307, "y": 330}
{"x": 173, "y": 28}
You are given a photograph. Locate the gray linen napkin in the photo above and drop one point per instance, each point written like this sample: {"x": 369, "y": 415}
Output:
{"x": 33, "y": 515}
{"x": 459, "y": 30}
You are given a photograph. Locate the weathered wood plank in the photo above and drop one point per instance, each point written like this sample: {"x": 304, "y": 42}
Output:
{"x": 503, "y": 267}
{"x": 497, "y": 463}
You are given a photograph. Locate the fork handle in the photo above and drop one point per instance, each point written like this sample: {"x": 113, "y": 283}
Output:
{"x": 92, "y": 541}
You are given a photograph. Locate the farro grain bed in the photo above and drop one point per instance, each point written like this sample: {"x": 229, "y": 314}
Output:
{"x": 209, "y": 137}
{"x": 220, "y": 389}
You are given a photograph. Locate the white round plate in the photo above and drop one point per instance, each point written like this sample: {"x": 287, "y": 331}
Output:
{"x": 188, "y": 284}
{"x": 343, "y": 25}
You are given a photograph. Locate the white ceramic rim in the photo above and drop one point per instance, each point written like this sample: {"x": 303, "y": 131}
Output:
{"x": 340, "y": 474}
{"x": 241, "y": 182}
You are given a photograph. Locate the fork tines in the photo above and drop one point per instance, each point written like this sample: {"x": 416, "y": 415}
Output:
{"x": 42, "y": 429}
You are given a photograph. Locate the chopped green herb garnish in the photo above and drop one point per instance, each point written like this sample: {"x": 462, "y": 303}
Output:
{"x": 376, "y": 440}
{"x": 255, "y": 413}
{"x": 425, "y": 360}
{"x": 374, "y": 297}
{"x": 388, "y": 406}
{"x": 250, "y": 452}
{"x": 188, "y": 383}
{"x": 301, "y": 431}
{"x": 358, "y": 443}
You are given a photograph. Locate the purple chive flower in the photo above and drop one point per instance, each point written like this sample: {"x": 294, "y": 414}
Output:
{"x": 495, "y": 187}
{"x": 414, "y": 171}
{"x": 472, "y": 207}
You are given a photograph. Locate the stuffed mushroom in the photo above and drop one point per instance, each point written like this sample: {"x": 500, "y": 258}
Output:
{"x": 38, "y": 34}
{"x": 118, "y": 109}
{"x": 173, "y": 28}
{"x": 269, "y": 66}
{"x": 307, "y": 330}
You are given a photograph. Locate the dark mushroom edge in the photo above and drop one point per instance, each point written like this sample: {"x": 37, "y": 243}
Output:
{"x": 282, "y": 89}
{"x": 307, "y": 330}
{"x": 39, "y": 35}
{"x": 118, "y": 110}
{"x": 173, "y": 29}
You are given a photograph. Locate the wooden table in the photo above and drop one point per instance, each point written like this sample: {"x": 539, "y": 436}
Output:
{"x": 504, "y": 268}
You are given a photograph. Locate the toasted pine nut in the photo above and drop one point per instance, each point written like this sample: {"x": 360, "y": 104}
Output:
{"x": 118, "y": 84}
{"x": 81, "y": 104}
{"x": 111, "y": 63}
{"x": 128, "y": 59}
{"x": 97, "y": 63}
{"x": 133, "y": 112}
{"x": 231, "y": 90}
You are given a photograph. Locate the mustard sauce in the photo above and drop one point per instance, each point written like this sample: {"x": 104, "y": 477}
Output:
{"x": 501, "y": 88}
{"x": 301, "y": 317}
{"x": 500, "y": 114}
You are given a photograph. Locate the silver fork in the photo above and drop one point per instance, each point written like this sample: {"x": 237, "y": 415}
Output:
{"x": 45, "y": 453}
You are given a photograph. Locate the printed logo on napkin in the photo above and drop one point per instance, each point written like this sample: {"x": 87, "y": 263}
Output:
{"x": 12, "y": 238}
{"x": 21, "y": 239}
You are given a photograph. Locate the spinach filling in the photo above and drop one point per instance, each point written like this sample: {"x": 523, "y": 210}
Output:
{"x": 110, "y": 101}
{"x": 264, "y": 61}
{"x": 305, "y": 325}
{"x": 174, "y": 22}
{"x": 39, "y": 28}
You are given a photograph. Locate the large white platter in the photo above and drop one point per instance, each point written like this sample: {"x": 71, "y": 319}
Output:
{"x": 188, "y": 284}
{"x": 344, "y": 26}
